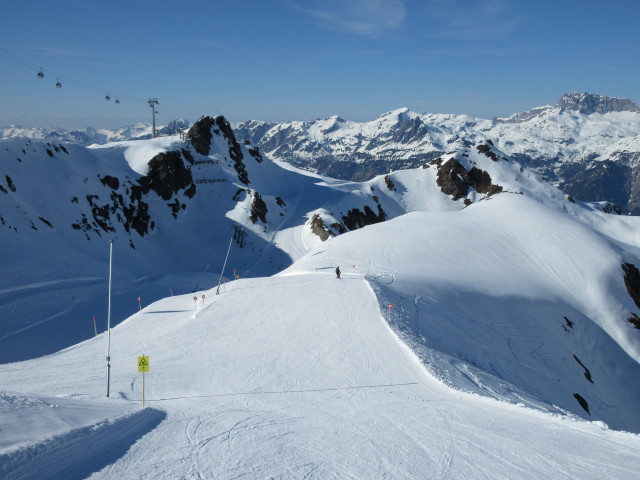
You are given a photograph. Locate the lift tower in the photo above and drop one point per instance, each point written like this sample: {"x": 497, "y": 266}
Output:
{"x": 152, "y": 103}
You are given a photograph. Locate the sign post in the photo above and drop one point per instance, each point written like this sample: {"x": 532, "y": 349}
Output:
{"x": 139, "y": 305}
{"x": 202, "y": 301}
{"x": 390, "y": 307}
{"x": 195, "y": 305}
{"x": 95, "y": 328}
{"x": 143, "y": 366}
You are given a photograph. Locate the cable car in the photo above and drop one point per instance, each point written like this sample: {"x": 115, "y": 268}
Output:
{"x": 58, "y": 84}
{"x": 107, "y": 97}
{"x": 40, "y": 74}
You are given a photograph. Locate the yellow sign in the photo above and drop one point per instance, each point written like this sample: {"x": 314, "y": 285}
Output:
{"x": 143, "y": 364}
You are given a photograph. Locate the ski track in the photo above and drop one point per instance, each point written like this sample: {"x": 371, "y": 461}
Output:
{"x": 332, "y": 395}
{"x": 73, "y": 455}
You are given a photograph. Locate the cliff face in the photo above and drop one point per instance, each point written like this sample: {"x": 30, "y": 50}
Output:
{"x": 588, "y": 103}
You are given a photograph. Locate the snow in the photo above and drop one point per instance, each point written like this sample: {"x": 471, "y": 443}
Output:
{"x": 138, "y": 154}
{"x": 299, "y": 375}
{"x": 502, "y": 312}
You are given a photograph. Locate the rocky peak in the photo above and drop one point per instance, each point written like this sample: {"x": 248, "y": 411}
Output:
{"x": 588, "y": 103}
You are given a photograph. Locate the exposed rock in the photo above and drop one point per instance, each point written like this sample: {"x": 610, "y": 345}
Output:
{"x": 486, "y": 149}
{"x": 612, "y": 208}
{"x": 10, "y": 183}
{"x": 200, "y": 135}
{"x": 567, "y": 324}
{"x": 111, "y": 182}
{"x": 187, "y": 155}
{"x": 454, "y": 180}
{"x": 339, "y": 227}
{"x": 634, "y": 320}
{"x": 167, "y": 175}
{"x": 318, "y": 227}
{"x": 357, "y": 219}
{"x": 583, "y": 403}
{"x": 588, "y": 103}
{"x": 389, "y": 182}
{"x": 191, "y": 191}
{"x": 587, "y": 373}
{"x": 632, "y": 281}
{"x": 258, "y": 209}
{"x": 45, "y": 221}
{"x": 280, "y": 202}
{"x": 481, "y": 181}
{"x": 255, "y": 153}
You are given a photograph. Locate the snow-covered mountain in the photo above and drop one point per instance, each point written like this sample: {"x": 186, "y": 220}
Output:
{"x": 91, "y": 136}
{"x": 587, "y": 144}
{"x": 467, "y": 275}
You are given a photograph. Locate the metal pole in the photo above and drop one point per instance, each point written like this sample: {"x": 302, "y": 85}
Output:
{"x": 109, "y": 320}
{"x": 152, "y": 103}
{"x": 224, "y": 265}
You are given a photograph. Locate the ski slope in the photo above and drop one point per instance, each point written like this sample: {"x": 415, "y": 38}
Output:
{"x": 299, "y": 376}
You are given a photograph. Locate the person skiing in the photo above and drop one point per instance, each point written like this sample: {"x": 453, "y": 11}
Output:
{"x": 337, "y": 272}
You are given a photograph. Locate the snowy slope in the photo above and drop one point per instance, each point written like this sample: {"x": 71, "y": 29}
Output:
{"x": 299, "y": 376}
{"x": 507, "y": 304}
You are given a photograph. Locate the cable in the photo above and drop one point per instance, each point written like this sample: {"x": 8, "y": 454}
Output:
{"x": 68, "y": 80}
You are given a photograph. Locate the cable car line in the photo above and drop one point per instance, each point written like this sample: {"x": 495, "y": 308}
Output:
{"x": 59, "y": 78}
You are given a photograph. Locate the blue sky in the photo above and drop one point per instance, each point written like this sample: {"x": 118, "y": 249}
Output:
{"x": 282, "y": 60}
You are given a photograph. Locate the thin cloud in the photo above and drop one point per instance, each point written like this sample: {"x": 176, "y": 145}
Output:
{"x": 361, "y": 17}
{"x": 471, "y": 19}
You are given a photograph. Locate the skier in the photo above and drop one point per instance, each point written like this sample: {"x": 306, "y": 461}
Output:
{"x": 338, "y": 272}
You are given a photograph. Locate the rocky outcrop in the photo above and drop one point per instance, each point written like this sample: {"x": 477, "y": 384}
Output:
{"x": 318, "y": 227}
{"x": 200, "y": 135}
{"x": 486, "y": 150}
{"x": 453, "y": 179}
{"x": 632, "y": 281}
{"x": 355, "y": 218}
{"x": 258, "y": 209}
{"x": 167, "y": 175}
{"x": 112, "y": 182}
{"x": 390, "y": 185}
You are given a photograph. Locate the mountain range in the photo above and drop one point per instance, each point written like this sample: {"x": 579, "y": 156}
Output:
{"x": 586, "y": 144}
